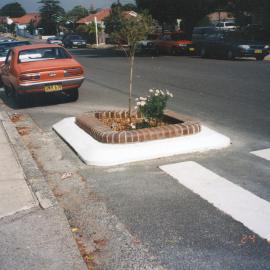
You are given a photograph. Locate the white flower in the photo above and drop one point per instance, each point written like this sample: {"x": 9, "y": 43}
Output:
{"x": 156, "y": 94}
{"x": 162, "y": 93}
{"x": 138, "y": 103}
{"x": 171, "y": 95}
{"x": 136, "y": 99}
{"x": 157, "y": 91}
{"x": 151, "y": 90}
{"x": 136, "y": 107}
{"x": 143, "y": 103}
{"x": 133, "y": 126}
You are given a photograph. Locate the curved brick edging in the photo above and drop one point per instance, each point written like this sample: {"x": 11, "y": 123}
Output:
{"x": 90, "y": 123}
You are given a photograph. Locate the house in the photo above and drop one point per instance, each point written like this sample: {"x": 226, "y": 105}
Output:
{"x": 100, "y": 15}
{"x": 24, "y": 21}
{"x": 217, "y": 16}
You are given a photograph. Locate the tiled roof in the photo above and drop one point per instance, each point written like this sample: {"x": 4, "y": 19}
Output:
{"x": 223, "y": 15}
{"x": 101, "y": 15}
{"x": 27, "y": 18}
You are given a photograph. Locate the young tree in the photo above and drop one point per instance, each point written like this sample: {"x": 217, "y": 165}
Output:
{"x": 51, "y": 14}
{"x": 12, "y": 10}
{"x": 128, "y": 28}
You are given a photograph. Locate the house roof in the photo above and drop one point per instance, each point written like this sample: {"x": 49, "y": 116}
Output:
{"x": 27, "y": 18}
{"x": 101, "y": 15}
{"x": 224, "y": 15}
{"x": 129, "y": 14}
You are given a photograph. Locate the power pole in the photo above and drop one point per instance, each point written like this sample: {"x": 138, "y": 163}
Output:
{"x": 96, "y": 28}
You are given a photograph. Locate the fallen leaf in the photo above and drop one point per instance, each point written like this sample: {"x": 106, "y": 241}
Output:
{"x": 74, "y": 230}
{"x": 66, "y": 175}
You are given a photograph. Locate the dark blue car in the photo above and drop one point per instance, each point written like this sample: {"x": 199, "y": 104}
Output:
{"x": 231, "y": 45}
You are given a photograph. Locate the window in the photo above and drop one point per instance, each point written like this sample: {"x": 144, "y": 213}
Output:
{"x": 9, "y": 58}
{"x": 75, "y": 37}
{"x": 42, "y": 54}
{"x": 3, "y": 51}
{"x": 230, "y": 24}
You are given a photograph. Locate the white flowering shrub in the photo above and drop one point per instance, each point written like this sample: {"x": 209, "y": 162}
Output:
{"x": 152, "y": 107}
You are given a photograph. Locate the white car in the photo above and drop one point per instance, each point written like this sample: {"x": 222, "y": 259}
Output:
{"x": 226, "y": 26}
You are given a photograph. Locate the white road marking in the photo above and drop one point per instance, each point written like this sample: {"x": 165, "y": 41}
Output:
{"x": 235, "y": 201}
{"x": 262, "y": 153}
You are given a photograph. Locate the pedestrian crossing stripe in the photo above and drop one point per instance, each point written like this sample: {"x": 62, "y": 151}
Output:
{"x": 240, "y": 204}
{"x": 265, "y": 154}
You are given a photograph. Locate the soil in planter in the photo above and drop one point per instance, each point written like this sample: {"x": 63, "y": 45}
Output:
{"x": 126, "y": 124}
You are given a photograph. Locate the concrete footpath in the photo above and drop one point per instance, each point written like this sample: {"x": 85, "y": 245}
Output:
{"x": 34, "y": 231}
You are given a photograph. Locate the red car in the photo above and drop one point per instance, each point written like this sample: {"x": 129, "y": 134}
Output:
{"x": 40, "y": 69}
{"x": 174, "y": 43}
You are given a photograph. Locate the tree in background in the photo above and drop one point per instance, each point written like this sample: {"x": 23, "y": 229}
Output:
{"x": 31, "y": 27}
{"x": 191, "y": 12}
{"x": 129, "y": 7}
{"x": 128, "y": 28}
{"x": 51, "y": 16}
{"x": 74, "y": 15}
{"x": 77, "y": 13}
{"x": 12, "y": 10}
{"x": 92, "y": 9}
{"x": 88, "y": 31}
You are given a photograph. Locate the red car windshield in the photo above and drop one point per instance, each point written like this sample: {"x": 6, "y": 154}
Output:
{"x": 42, "y": 54}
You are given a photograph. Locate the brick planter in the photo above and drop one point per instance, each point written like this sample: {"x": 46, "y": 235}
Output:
{"x": 90, "y": 123}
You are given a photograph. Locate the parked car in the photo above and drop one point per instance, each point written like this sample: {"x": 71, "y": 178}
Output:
{"x": 173, "y": 43}
{"x": 5, "y": 46}
{"x": 55, "y": 40}
{"x": 230, "y": 26}
{"x": 71, "y": 41}
{"x": 231, "y": 45}
{"x": 3, "y": 40}
{"x": 200, "y": 33}
{"x": 148, "y": 46}
{"x": 40, "y": 68}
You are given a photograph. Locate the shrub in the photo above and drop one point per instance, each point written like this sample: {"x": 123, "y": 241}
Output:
{"x": 152, "y": 107}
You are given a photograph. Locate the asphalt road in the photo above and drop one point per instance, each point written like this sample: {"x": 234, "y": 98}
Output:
{"x": 178, "y": 227}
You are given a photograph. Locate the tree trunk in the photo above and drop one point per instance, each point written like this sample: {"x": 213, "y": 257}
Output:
{"x": 130, "y": 83}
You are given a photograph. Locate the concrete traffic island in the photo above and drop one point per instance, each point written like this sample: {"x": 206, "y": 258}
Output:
{"x": 98, "y": 145}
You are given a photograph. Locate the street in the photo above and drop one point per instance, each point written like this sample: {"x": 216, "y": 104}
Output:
{"x": 176, "y": 226}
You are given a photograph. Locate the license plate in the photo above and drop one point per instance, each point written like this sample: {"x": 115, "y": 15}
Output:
{"x": 53, "y": 88}
{"x": 258, "y": 51}
{"x": 191, "y": 49}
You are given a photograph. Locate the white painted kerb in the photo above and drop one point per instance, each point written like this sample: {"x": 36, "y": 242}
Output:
{"x": 95, "y": 153}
